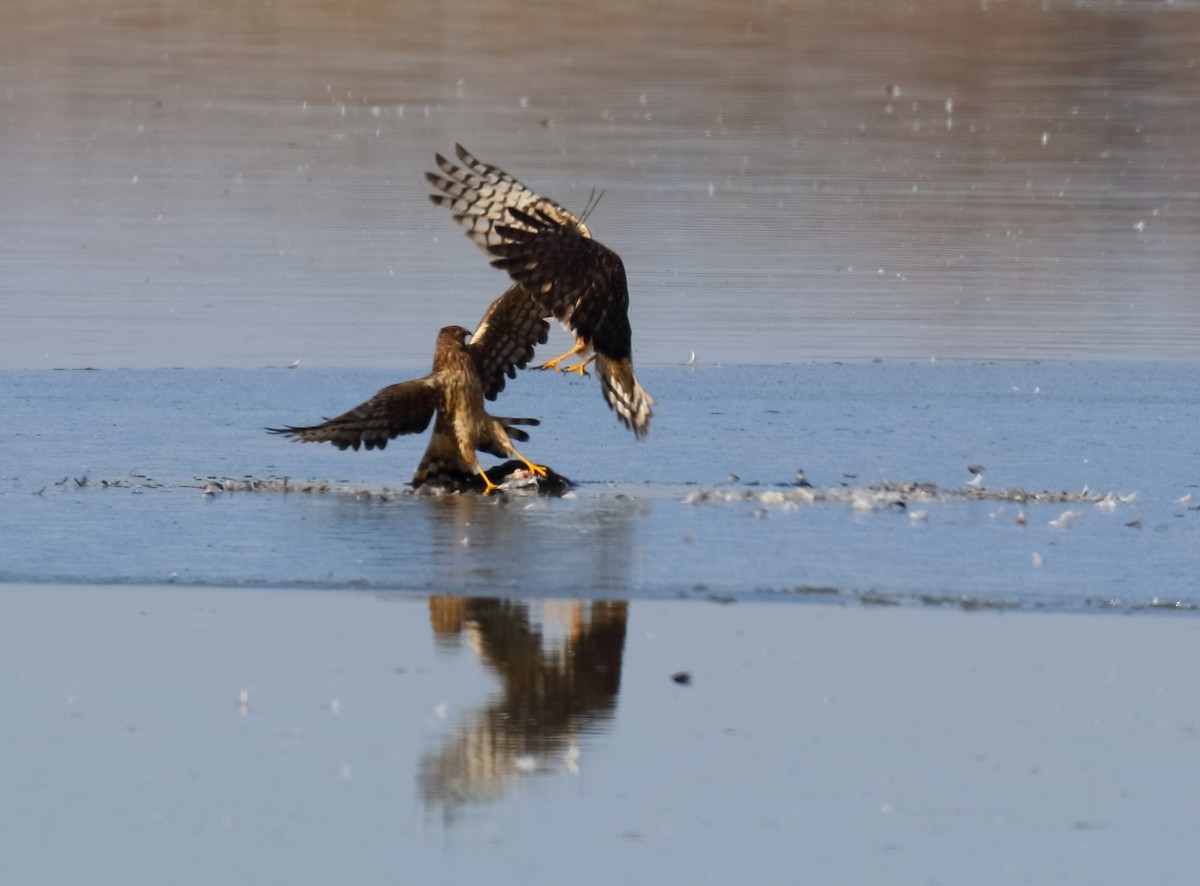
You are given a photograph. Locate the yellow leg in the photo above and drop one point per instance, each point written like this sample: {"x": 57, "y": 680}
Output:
{"x": 539, "y": 470}
{"x": 579, "y": 348}
{"x": 488, "y": 486}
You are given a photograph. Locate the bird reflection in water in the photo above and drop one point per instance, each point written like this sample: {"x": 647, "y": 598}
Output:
{"x": 527, "y": 546}
{"x": 552, "y": 691}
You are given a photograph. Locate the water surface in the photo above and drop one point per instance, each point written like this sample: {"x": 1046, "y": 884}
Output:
{"x": 241, "y": 186}
{"x": 237, "y": 736}
{"x": 107, "y": 477}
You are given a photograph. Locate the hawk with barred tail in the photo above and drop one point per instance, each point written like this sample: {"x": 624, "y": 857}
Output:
{"x": 550, "y": 253}
{"x": 463, "y": 375}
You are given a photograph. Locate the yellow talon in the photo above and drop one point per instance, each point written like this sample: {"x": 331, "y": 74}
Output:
{"x": 536, "y": 470}
{"x": 579, "y": 348}
{"x": 488, "y": 486}
{"x": 553, "y": 364}
{"x": 579, "y": 368}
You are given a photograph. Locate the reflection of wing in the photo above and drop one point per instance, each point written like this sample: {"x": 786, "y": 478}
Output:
{"x": 579, "y": 281}
{"x": 403, "y": 408}
{"x": 552, "y": 692}
{"x": 505, "y": 338}
{"x": 481, "y": 197}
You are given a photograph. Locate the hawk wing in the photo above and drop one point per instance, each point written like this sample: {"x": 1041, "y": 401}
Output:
{"x": 582, "y": 283}
{"x": 403, "y": 408}
{"x": 551, "y": 253}
{"x": 579, "y": 281}
{"x": 505, "y": 338}
{"x": 482, "y": 196}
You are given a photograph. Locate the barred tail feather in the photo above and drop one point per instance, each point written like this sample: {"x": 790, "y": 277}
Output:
{"x": 514, "y": 432}
{"x": 624, "y": 395}
{"x": 530, "y": 422}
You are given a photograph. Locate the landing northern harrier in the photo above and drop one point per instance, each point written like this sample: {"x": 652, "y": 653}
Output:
{"x": 552, "y": 255}
{"x": 463, "y": 375}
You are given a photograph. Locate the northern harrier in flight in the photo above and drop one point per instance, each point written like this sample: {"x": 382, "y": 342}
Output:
{"x": 552, "y": 255}
{"x": 463, "y": 375}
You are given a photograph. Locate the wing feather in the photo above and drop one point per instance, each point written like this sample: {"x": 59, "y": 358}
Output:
{"x": 551, "y": 255}
{"x": 505, "y": 339}
{"x": 481, "y": 196}
{"x": 403, "y": 408}
{"x": 575, "y": 278}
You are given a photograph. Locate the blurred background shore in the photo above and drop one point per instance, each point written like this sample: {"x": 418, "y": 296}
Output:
{"x": 233, "y": 184}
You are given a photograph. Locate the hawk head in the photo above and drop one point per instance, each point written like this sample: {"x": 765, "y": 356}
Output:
{"x": 451, "y": 345}
{"x": 455, "y": 335}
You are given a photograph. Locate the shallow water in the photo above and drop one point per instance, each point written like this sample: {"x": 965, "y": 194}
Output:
{"x": 207, "y": 735}
{"x": 231, "y": 185}
{"x": 701, "y": 508}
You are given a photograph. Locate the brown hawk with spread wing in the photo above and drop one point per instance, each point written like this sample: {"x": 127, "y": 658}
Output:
{"x": 552, "y": 255}
{"x": 463, "y": 375}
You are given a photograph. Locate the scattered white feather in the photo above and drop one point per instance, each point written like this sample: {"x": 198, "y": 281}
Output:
{"x": 862, "y": 503}
{"x": 1066, "y": 518}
